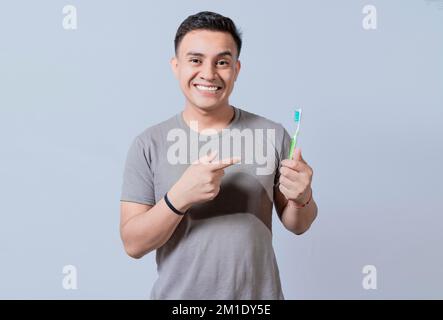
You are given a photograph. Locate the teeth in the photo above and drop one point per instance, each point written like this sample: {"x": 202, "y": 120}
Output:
{"x": 206, "y": 88}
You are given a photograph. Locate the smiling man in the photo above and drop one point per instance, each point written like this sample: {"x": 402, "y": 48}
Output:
{"x": 210, "y": 220}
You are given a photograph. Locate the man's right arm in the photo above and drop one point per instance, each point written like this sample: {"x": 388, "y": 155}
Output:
{"x": 144, "y": 228}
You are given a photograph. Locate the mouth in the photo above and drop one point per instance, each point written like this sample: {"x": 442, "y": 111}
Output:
{"x": 207, "y": 89}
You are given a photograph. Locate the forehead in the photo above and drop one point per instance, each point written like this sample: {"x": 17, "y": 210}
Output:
{"x": 207, "y": 42}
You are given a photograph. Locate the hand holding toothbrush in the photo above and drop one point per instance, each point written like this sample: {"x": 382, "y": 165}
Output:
{"x": 295, "y": 180}
{"x": 295, "y": 173}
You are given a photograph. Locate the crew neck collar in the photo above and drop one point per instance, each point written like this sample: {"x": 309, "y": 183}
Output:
{"x": 185, "y": 126}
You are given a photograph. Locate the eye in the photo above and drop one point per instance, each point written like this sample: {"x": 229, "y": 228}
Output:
{"x": 223, "y": 63}
{"x": 194, "y": 61}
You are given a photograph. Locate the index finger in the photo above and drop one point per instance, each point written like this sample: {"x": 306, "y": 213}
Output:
{"x": 217, "y": 165}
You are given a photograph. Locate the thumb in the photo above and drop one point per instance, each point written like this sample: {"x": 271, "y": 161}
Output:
{"x": 297, "y": 155}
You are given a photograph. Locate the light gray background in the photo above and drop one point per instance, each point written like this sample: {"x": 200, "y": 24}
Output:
{"x": 72, "y": 101}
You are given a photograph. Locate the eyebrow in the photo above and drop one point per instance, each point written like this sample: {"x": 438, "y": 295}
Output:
{"x": 198, "y": 54}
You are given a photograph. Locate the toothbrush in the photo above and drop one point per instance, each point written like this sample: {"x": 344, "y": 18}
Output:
{"x": 297, "y": 119}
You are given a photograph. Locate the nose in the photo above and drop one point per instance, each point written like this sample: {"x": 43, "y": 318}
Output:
{"x": 208, "y": 72}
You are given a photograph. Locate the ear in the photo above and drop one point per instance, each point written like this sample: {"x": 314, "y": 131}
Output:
{"x": 174, "y": 66}
{"x": 237, "y": 69}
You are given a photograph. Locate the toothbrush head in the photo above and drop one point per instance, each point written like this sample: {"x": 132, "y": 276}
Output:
{"x": 297, "y": 115}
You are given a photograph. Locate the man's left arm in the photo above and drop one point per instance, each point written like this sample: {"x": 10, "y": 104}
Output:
{"x": 293, "y": 198}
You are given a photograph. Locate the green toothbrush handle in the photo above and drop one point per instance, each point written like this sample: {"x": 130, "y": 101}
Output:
{"x": 292, "y": 147}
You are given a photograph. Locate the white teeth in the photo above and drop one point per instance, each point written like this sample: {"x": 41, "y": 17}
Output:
{"x": 206, "y": 88}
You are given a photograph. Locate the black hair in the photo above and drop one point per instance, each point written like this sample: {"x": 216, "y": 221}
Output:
{"x": 207, "y": 20}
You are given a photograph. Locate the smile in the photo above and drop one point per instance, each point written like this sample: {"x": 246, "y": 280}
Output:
{"x": 204, "y": 88}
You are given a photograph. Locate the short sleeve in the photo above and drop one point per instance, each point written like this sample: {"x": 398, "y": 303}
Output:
{"x": 283, "y": 152}
{"x": 138, "y": 179}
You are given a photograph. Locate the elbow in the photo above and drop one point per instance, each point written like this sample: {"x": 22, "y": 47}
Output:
{"x": 132, "y": 249}
{"x": 131, "y": 246}
{"x": 137, "y": 247}
{"x": 133, "y": 252}
{"x": 300, "y": 230}
{"x": 297, "y": 227}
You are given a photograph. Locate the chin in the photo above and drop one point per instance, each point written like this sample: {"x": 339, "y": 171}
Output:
{"x": 206, "y": 105}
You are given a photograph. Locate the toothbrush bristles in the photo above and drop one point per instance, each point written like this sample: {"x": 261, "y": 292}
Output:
{"x": 297, "y": 115}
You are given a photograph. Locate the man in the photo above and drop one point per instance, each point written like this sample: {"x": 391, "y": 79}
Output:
{"x": 210, "y": 219}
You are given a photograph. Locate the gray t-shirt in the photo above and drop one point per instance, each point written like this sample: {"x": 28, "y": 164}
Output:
{"x": 222, "y": 249}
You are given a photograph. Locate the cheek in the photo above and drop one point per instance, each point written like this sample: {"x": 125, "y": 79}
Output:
{"x": 229, "y": 76}
{"x": 228, "y": 80}
{"x": 186, "y": 75}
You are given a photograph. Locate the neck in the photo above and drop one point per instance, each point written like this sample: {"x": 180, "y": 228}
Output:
{"x": 217, "y": 118}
